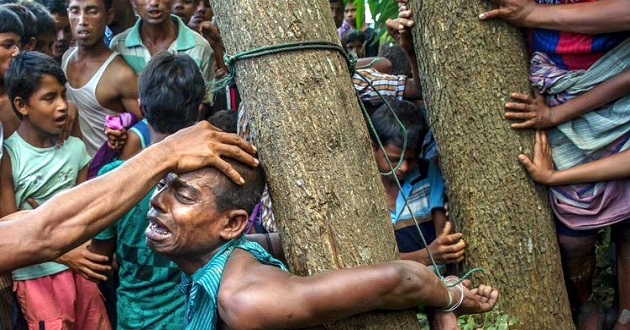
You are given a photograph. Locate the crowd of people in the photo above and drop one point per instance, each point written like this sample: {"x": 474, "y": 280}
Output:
{"x": 125, "y": 175}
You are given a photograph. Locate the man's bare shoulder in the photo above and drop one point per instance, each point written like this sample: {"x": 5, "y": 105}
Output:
{"x": 123, "y": 72}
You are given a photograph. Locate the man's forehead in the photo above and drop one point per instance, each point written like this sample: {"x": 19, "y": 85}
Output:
{"x": 86, "y": 3}
{"x": 198, "y": 178}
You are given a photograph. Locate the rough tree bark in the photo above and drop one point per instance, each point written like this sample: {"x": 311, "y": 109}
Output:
{"x": 469, "y": 68}
{"x": 313, "y": 143}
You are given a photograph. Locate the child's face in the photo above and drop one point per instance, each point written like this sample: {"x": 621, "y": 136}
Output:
{"x": 47, "y": 109}
{"x": 8, "y": 50}
{"x": 184, "y": 9}
{"x": 350, "y": 14}
{"x": 355, "y": 46}
{"x": 45, "y": 42}
{"x": 64, "y": 35}
{"x": 203, "y": 12}
{"x": 394, "y": 153}
{"x": 336, "y": 9}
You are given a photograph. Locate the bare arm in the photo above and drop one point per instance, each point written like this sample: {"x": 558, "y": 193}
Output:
{"x": 259, "y": 296}
{"x": 8, "y": 204}
{"x": 541, "y": 168}
{"x": 586, "y": 17}
{"x": 132, "y": 146}
{"x": 127, "y": 85}
{"x": 534, "y": 113}
{"x": 75, "y": 215}
{"x": 380, "y": 64}
{"x": 400, "y": 29}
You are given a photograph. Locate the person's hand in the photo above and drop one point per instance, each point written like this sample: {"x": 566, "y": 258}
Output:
{"x": 205, "y": 145}
{"x": 477, "y": 300}
{"x": 92, "y": 266}
{"x": 32, "y": 202}
{"x": 67, "y": 129}
{"x": 400, "y": 28}
{"x": 541, "y": 168}
{"x": 533, "y": 112}
{"x": 513, "y": 11}
{"x": 448, "y": 248}
{"x": 211, "y": 33}
{"x": 116, "y": 138}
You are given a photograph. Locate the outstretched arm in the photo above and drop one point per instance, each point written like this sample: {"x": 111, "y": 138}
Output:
{"x": 253, "y": 295}
{"x": 74, "y": 216}
{"x": 400, "y": 30}
{"x": 586, "y": 17}
{"x": 541, "y": 168}
{"x": 534, "y": 113}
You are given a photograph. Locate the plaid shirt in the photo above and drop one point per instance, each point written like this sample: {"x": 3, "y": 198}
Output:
{"x": 391, "y": 87}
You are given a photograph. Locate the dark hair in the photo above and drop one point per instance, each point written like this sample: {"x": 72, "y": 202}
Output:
{"x": 29, "y": 21}
{"x": 225, "y": 120}
{"x": 10, "y": 22}
{"x": 108, "y": 4}
{"x": 55, "y": 6}
{"x": 231, "y": 196}
{"x": 351, "y": 35}
{"x": 171, "y": 89}
{"x": 396, "y": 55}
{"x": 25, "y": 72}
{"x": 45, "y": 21}
{"x": 389, "y": 131}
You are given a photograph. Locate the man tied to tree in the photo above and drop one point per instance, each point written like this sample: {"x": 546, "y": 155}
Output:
{"x": 197, "y": 220}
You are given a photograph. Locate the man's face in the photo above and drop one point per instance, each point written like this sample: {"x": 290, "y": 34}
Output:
{"x": 153, "y": 12}
{"x": 47, "y": 108}
{"x": 183, "y": 220}
{"x": 336, "y": 8}
{"x": 350, "y": 14}
{"x": 45, "y": 41}
{"x": 88, "y": 19}
{"x": 394, "y": 153}
{"x": 8, "y": 50}
{"x": 64, "y": 35}
{"x": 184, "y": 9}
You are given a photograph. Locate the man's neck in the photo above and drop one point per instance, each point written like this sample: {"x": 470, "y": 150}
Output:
{"x": 153, "y": 34}
{"x": 93, "y": 51}
{"x": 155, "y": 136}
{"x": 190, "y": 264}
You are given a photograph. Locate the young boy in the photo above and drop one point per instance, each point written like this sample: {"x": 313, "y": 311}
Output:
{"x": 33, "y": 170}
{"x": 422, "y": 188}
{"x": 353, "y": 41}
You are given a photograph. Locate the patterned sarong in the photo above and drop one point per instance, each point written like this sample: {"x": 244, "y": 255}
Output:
{"x": 599, "y": 133}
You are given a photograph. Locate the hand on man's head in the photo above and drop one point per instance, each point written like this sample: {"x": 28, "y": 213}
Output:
{"x": 204, "y": 145}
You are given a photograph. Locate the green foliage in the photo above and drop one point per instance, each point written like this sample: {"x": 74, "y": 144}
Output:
{"x": 493, "y": 320}
{"x": 382, "y": 10}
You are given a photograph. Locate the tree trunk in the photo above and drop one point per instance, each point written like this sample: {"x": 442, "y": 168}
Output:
{"x": 313, "y": 143}
{"x": 469, "y": 68}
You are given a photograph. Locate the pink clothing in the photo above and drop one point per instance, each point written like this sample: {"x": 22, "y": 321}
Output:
{"x": 61, "y": 301}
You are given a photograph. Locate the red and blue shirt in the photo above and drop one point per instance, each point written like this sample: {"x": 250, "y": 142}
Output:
{"x": 572, "y": 51}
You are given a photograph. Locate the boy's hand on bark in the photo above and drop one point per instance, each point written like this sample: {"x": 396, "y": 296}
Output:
{"x": 533, "y": 112}
{"x": 541, "y": 167}
{"x": 448, "y": 248}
